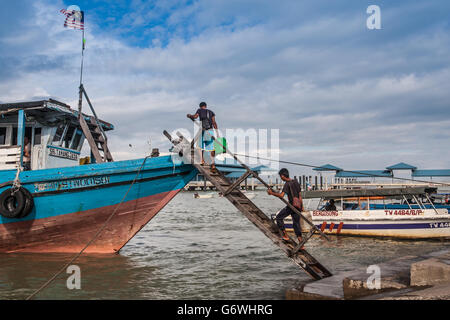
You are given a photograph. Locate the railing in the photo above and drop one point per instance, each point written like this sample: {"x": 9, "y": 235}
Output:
{"x": 9, "y": 157}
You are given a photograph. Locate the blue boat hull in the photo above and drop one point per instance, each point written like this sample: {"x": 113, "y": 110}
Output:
{"x": 71, "y": 204}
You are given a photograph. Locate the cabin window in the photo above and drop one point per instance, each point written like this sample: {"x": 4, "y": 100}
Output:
{"x": 14, "y": 137}
{"x": 58, "y": 134}
{"x": 69, "y": 135}
{"x": 2, "y": 136}
{"x": 37, "y": 136}
{"x": 28, "y": 131}
{"x": 76, "y": 140}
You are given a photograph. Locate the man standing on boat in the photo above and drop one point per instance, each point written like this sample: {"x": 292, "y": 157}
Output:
{"x": 293, "y": 190}
{"x": 330, "y": 206}
{"x": 208, "y": 120}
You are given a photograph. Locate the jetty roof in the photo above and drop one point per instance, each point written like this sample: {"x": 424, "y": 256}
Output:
{"x": 327, "y": 167}
{"x": 364, "y": 173}
{"x": 235, "y": 174}
{"x": 45, "y": 109}
{"x": 431, "y": 173}
{"x": 263, "y": 169}
{"x": 401, "y": 166}
{"x": 387, "y": 173}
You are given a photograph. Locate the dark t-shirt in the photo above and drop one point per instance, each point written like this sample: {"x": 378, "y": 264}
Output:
{"x": 295, "y": 186}
{"x": 205, "y": 116}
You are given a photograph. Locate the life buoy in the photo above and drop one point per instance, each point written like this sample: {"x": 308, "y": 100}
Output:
{"x": 16, "y": 204}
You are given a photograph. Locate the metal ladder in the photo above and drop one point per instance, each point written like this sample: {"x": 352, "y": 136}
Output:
{"x": 231, "y": 191}
{"x": 93, "y": 131}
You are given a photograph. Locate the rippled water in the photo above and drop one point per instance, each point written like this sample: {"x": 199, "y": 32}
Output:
{"x": 195, "y": 249}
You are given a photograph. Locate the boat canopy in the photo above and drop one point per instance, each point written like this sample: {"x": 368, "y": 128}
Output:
{"x": 54, "y": 131}
{"x": 47, "y": 111}
{"x": 363, "y": 193}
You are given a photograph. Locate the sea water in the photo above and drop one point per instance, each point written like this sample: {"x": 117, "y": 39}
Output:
{"x": 195, "y": 249}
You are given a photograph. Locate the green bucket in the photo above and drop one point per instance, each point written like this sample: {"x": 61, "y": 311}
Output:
{"x": 220, "y": 145}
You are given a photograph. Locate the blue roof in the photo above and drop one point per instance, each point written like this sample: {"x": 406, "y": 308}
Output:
{"x": 327, "y": 167}
{"x": 235, "y": 174}
{"x": 227, "y": 168}
{"x": 363, "y": 173}
{"x": 231, "y": 165}
{"x": 401, "y": 166}
{"x": 228, "y": 162}
{"x": 431, "y": 173}
{"x": 262, "y": 168}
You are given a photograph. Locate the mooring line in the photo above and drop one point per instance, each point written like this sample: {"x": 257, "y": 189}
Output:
{"x": 90, "y": 241}
{"x": 358, "y": 172}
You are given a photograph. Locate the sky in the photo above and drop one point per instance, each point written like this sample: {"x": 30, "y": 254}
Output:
{"x": 337, "y": 91}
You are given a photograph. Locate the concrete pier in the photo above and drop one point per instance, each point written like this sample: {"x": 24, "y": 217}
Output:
{"x": 409, "y": 277}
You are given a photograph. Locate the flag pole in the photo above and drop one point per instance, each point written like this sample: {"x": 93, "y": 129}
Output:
{"x": 81, "y": 89}
{"x": 82, "y": 57}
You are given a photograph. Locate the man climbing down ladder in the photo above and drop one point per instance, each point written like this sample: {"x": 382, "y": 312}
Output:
{"x": 208, "y": 120}
{"x": 231, "y": 191}
{"x": 293, "y": 190}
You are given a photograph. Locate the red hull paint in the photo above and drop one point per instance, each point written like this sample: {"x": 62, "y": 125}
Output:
{"x": 71, "y": 232}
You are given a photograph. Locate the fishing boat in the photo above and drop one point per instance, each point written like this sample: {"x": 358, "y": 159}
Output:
{"x": 59, "y": 205}
{"x": 415, "y": 221}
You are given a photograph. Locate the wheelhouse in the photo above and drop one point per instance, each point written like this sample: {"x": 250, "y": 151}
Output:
{"x": 53, "y": 129}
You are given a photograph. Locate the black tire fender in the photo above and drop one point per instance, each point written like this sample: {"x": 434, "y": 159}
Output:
{"x": 29, "y": 202}
{"x": 12, "y": 204}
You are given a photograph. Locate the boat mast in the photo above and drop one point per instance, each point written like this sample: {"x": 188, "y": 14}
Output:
{"x": 80, "y": 97}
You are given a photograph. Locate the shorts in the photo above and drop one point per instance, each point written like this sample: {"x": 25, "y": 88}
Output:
{"x": 207, "y": 140}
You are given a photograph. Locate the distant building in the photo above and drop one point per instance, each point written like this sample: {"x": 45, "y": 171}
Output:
{"x": 400, "y": 170}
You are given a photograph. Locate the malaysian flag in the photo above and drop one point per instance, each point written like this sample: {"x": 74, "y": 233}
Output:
{"x": 74, "y": 19}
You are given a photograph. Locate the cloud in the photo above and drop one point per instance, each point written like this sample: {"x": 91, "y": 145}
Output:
{"x": 338, "y": 92}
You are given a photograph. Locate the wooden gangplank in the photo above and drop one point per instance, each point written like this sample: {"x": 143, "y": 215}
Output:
{"x": 299, "y": 256}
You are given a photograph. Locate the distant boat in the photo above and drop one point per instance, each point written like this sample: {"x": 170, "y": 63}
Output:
{"x": 203, "y": 196}
{"x": 416, "y": 221}
{"x": 59, "y": 205}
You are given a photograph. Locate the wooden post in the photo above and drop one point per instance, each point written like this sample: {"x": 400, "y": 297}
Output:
{"x": 21, "y": 134}
{"x": 93, "y": 160}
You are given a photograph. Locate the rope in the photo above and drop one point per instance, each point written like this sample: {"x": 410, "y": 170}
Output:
{"x": 16, "y": 183}
{"x": 90, "y": 241}
{"x": 358, "y": 172}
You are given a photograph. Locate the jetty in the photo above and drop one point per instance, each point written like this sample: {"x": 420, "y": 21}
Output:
{"x": 412, "y": 277}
